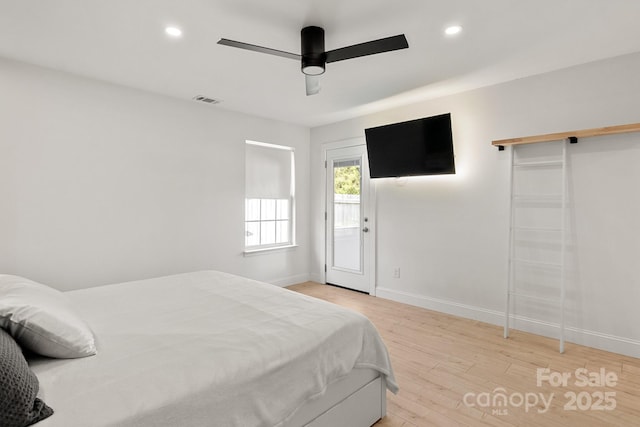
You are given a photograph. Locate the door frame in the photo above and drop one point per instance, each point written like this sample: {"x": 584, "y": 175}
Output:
{"x": 371, "y": 214}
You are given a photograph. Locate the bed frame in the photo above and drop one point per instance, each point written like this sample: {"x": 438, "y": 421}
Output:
{"x": 357, "y": 400}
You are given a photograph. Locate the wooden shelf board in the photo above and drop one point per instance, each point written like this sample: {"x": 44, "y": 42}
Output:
{"x": 607, "y": 130}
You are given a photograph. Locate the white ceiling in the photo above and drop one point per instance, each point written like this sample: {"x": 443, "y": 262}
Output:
{"x": 123, "y": 41}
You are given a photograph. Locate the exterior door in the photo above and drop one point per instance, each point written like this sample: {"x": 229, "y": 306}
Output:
{"x": 348, "y": 225}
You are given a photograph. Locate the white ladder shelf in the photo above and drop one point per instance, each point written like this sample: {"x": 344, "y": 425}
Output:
{"x": 514, "y": 227}
{"x": 564, "y": 137}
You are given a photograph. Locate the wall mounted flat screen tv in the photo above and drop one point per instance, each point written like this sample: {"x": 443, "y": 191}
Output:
{"x": 417, "y": 147}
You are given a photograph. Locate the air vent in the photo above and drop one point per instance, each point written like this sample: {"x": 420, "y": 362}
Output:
{"x": 206, "y": 99}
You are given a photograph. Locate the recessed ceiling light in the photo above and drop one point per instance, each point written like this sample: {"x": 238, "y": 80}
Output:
{"x": 453, "y": 30}
{"x": 173, "y": 31}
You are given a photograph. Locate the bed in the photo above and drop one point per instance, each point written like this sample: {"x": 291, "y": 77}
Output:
{"x": 213, "y": 349}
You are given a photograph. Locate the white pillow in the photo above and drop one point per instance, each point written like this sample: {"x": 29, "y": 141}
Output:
{"x": 40, "y": 319}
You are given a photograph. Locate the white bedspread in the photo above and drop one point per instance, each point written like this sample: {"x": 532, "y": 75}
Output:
{"x": 207, "y": 347}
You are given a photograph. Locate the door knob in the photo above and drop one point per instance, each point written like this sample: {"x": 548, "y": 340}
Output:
{"x": 366, "y": 229}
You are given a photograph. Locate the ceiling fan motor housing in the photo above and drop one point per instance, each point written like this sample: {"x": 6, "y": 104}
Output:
{"x": 312, "y": 48}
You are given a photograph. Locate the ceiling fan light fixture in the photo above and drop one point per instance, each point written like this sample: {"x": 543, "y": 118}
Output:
{"x": 311, "y": 69}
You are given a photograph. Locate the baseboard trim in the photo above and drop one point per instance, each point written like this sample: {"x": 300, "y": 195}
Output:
{"x": 291, "y": 280}
{"x": 599, "y": 340}
{"x": 317, "y": 277}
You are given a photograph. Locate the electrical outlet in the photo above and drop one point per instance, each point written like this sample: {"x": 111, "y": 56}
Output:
{"x": 396, "y": 273}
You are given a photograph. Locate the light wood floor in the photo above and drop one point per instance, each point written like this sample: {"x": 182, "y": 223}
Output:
{"x": 438, "y": 359}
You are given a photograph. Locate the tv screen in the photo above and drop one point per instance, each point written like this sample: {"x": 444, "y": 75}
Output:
{"x": 417, "y": 147}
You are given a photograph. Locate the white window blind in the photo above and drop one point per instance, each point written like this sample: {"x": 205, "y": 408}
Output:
{"x": 268, "y": 171}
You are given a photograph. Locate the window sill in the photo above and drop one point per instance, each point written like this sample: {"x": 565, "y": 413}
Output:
{"x": 264, "y": 251}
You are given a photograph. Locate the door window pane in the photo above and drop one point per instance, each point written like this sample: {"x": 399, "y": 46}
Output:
{"x": 346, "y": 215}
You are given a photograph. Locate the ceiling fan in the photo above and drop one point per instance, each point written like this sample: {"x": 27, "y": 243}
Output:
{"x": 313, "y": 57}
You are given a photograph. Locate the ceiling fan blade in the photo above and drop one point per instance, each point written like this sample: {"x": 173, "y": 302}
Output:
{"x": 313, "y": 84}
{"x": 257, "y": 48}
{"x": 368, "y": 48}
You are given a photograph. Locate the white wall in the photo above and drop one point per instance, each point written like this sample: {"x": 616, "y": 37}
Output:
{"x": 101, "y": 183}
{"x": 449, "y": 234}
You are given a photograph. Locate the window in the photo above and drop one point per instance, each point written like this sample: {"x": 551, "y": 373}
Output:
{"x": 269, "y": 196}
